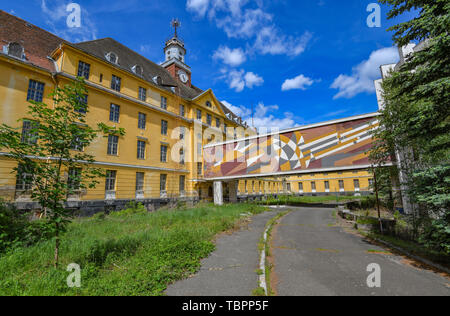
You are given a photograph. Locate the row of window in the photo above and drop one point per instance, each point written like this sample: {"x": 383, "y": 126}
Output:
{"x": 113, "y": 149}
{"x": 111, "y": 180}
{"x": 114, "y": 116}
{"x": 356, "y": 185}
{"x": 30, "y": 136}
{"x": 116, "y": 84}
{"x": 84, "y": 71}
{"x": 24, "y": 180}
{"x": 209, "y": 119}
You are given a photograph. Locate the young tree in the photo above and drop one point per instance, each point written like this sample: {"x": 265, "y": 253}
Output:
{"x": 50, "y": 156}
{"x": 416, "y": 119}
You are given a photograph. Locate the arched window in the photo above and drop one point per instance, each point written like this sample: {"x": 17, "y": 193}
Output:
{"x": 16, "y": 50}
{"x": 137, "y": 70}
{"x": 208, "y": 104}
{"x": 112, "y": 57}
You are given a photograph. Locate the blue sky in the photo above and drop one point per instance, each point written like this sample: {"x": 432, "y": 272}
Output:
{"x": 296, "y": 61}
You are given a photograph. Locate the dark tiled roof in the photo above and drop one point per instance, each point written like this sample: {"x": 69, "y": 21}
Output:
{"x": 129, "y": 58}
{"x": 38, "y": 43}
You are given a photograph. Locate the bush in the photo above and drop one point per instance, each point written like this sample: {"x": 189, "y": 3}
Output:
{"x": 436, "y": 236}
{"x": 12, "y": 225}
{"x": 131, "y": 209}
{"x": 16, "y": 230}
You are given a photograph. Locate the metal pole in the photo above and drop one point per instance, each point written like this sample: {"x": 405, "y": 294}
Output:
{"x": 378, "y": 201}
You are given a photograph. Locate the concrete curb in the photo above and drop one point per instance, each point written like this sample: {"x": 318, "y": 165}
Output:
{"x": 262, "y": 264}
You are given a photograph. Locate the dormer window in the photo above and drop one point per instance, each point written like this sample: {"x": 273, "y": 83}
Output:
{"x": 112, "y": 57}
{"x": 15, "y": 50}
{"x": 137, "y": 70}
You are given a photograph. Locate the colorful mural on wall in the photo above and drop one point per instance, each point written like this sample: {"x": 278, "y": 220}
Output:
{"x": 338, "y": 144}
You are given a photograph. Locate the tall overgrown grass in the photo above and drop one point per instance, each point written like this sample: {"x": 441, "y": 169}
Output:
{"x": 126, "y": 253}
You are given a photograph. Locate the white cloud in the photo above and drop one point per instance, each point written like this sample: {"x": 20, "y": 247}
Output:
{"x": 199, "y": 7}
{"x": 263, "y": 117}
{"x": 253, "y": 80}
{"x": 298, "y": 83}
{"x": 364, "y": 74}
{"x": 232, "y": 57}
{"x": 244, "y": 25}
{"x": 240, "y": 79}
{"x": 56, "y": 17}
{"x": 246, "y": 19}
{"x": 270, "y": 40}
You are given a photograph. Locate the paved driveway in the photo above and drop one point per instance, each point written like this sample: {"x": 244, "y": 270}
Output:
{"x": 231, "y": 269}
{"x": 312, "y": 257}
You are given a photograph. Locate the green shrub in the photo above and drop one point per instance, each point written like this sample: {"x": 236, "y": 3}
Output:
{"x": 368, "y": 202}
{"x": 12, "y": 225}
{"x": 16, "y": 229}
{"x": 436, "y": 236}
{"x": 132, "y": 208}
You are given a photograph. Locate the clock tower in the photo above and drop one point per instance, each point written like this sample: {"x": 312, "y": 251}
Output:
{"x": 175, "y": 54}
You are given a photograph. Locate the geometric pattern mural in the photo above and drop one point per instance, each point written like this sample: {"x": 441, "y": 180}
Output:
{"x": 326, "y": 146}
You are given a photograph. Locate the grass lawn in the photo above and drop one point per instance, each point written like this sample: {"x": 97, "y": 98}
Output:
{"x": 125, "y": 254}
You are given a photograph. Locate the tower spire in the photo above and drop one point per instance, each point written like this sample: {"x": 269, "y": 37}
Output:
{"x": 176, "y": 24}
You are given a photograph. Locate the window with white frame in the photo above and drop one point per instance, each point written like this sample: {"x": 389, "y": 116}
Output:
{"x": 113, "y": 145}
{"x": 111, "y": 176}
{"x": 182, "y": 158}
{"x": 84, "y": 70}
{"x": 164, "y": 150}
{"x": 141, "y": 150}
{"x": 74, "y": 179}
{"x": 182, "y": 110}
{"x": 163, "y": 183}
{"x": 164, "y": 127}
{"x": 114, "y": 113}
{"x": 341, "y": 185}
{"x": 356, "y": 184}
{"x": 142, "y": 120}
{"x": 142, "y": 94}
{"x": 35, "y": 91}
{"x": 182, "y": 184}
{"x": 30, "y": 133}
{"x": 139, "y": 181}
{"x": 24, "y": 179}
{"x": 116, "y": 83}
{"x": 164, "y": 103}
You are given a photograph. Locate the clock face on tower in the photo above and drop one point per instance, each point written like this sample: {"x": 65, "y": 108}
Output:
{"x": 183, "y": 76}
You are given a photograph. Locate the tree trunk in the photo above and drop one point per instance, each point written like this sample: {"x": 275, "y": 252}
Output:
{"x": 57, "y": 246}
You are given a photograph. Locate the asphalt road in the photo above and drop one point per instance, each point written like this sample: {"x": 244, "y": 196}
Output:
{"x": 312, "y": 257}
{"x": 231, "y": 269}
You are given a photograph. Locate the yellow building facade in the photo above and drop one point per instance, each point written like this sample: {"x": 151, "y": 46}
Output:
{"x": 166, "y": 118}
